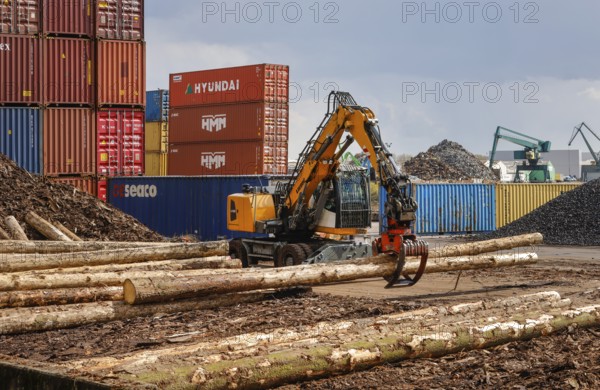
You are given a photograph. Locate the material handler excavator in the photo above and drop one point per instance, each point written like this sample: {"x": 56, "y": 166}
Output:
{"x": 324, "y": 197}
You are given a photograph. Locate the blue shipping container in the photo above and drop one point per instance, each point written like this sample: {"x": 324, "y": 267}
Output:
{"x": 21, "y": 138}
{"x": 175, "y": 206}
{"x": 157, "y": 106}
{"x": 453, "y": 208}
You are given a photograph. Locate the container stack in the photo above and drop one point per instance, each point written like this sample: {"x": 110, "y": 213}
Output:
{"x": 73, "y": 89}
{"x": 231, "y": 121}
{"x": 157, "y": 132}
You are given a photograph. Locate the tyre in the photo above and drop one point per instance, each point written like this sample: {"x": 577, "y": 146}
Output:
{"x": 291, "y": 254}
{"x": 237, "y": 251}
{"x": 307, "y": 250}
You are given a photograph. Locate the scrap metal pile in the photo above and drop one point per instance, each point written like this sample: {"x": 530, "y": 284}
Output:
{"x": 81, "y": 213}
{"x": 448, "y": 161}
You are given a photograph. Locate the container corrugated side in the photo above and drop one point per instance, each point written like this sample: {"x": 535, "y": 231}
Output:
{"x": 455, "y": 208}
{"x": 157, "y": 106}
{"x": 20, "y": 137}
{"x": 157, "y": 137}
{"x": 72, "y": 18}
{"x": 121, "y": 73}
{"x": 156, "y": 164}
{"x": 230, "y": 122}
{"x": 20, "y": 17}
{"x": 88, "y": 185}
{"x": 175, "y": 206}
{"x": 69, "y": 141}
{"x": 228, "y": 158}
{"x": 120, "y": 19}
{"x": 253, "y": 83}
{"x": 20, "y": 70}
{"x": 68, "y": 71}
{"x": 120, "y": 142}
{"x": 514, "y": 201}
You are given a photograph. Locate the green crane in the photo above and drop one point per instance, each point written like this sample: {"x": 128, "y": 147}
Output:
{"x": 532, "y": 150}
{"x": 588, "y": 172}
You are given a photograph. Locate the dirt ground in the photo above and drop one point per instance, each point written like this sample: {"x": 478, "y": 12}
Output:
{"x": 570, "y": 360}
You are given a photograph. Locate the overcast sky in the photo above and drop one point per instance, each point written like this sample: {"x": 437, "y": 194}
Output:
{"x": 449, "y": 70}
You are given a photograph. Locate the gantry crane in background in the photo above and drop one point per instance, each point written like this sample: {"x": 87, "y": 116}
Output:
{"x": 532, "y": 170}
{"x": 588, "y": 172}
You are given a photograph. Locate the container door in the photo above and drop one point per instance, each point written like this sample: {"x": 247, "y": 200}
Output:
{"x": 109, "y": 156}
{"x": 132, "y": 147}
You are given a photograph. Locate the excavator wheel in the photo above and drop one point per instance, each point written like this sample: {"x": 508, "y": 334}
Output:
{"x": 237, "y": 251}
{"x": 307, "y": 250}
{"x": 291, "y": 254}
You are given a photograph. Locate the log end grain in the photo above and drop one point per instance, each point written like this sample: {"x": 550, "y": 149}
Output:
{"x": 128, "y": 292}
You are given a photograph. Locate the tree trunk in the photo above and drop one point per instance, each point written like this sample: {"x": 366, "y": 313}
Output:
{"x": 15, "y": 299}
{"x": 25, "y": 320}
{"x": 163, "y": 288}
{"x": 49, "y": 247}
{"x": 489, "y": 246}
{"x": 45, "y": 228}
{"x": 4, "y": 235}
{"x": 27, "y": 262}
{"x": 66, "y": 231}
{"x": 111, "y": 275}
{"x": 15, "y": 229}
{"x": 250, "y": 344}
{"x": 302, "y": 363}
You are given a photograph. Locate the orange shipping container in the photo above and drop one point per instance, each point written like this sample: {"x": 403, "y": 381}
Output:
{"x": 69, "y": 141}
{"x": 230, "y": 122}
{"x": 68, "y": 74}
{"x": 86, "y": 184}
{"x": 228, "y": 158}
{"x": 20, "y": 73}
{"x": 254, "y": 83}
{"x": 121, "y": 79}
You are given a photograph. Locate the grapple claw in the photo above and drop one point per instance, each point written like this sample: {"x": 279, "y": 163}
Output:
{"x": 412, "y": 248}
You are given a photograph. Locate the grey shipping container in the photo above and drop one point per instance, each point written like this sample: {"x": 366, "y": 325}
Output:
{"x": 174, "y": 206}
{"x": 20, "y": 137}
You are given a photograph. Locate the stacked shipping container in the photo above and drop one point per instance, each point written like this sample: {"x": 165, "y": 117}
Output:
{"x": 230, "y": 121}
{"x": 157, "y": 132}
{"x": 67, "y": 68}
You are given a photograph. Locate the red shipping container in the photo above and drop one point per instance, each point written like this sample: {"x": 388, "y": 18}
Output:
{"x": 68, "y": 74}
{"x": 121, "y": 73}
{"x": 85, "y": 184}
{"x": 120, "y": 19}
{"x": 120, "y": 142}
{"x": 227, "y": 158}
{"x": 254, "y": 83}
{"x": 20, "y": 70}
{"x": 68, "y": 17}
{"x": 19, "y": 17}
{"x": 229, "y": 122}
{"x": 102, "y": 190}
{"x": 69, "y": 141}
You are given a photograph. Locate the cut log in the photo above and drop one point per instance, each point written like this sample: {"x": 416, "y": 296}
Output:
{"x": 164, "y": 288}
{"x": 250, "y": 344}
{"x": 15, "y": 229}
{"x": 15, "y": 299}
{"x": 27, "y": 262}
{"x": 49, "y": 247}
{"x": 110, "y": 275}
{"x": 66, "y": 231}
{"x": 26, "y": 320}
{"x": 45, "y": 228}
{"x": 4, "y": 235}
{"x": 327, "y": 359}
{"x": 489, "y": 246}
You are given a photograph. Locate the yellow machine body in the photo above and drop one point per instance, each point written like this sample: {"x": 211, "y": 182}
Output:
{"x": 243, "y": 210}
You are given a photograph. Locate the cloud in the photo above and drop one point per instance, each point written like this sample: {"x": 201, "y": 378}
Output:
{"x": 591, "y": 93}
